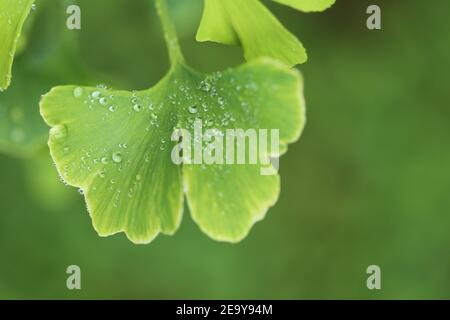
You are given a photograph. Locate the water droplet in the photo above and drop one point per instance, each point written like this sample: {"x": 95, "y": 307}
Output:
{"x": 105, "y": 160}
{"x": 137, "y": 107}
{"x": 103, "y": 101}
{"x": 150, "y": 106}
{"x": 221, "y": 101}
{"x": 193, "y": 109}
{"x": 78, "y": 92}
{"x": 112, "y": 109}
{"x": 96, "y": 94}
{"x": 59, "y": 131}
{"x": 117, "y": 157}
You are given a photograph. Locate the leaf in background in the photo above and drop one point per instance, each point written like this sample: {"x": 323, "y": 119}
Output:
{"x": 250, "y": 24}
{"x": 308, "y": 5}
{"x": 48, "y": 60}
{"x": 116, "y": 146}
{"x": 12, "y": 17}
{"x": 44, "y": 184}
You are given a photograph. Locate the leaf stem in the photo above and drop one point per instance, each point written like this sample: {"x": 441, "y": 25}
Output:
{"x": 170, "y": 33}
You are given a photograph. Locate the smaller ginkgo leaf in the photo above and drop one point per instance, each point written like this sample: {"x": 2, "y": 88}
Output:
{"x": 250, "y": 24}
{"x": 308, "y": 5}
{"x": 216, "y": 24}
{"x": 12, "y": 17}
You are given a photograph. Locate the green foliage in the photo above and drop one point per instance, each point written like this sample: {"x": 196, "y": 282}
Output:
{"x": 115, "y": 146}
{"x": 250, "y": 24}
{"x": 48, "y": 60}
{"x": 12, "y": 17}
{"x": 373, "y": 161}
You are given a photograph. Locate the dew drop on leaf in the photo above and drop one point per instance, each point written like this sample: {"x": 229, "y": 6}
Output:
{"x": 117, "y": 157}
{"x": 96, "y": 94}
{"x": 78, "y": 92}
{"x": 193, "y": 109}
{"x": 59, "y": 131}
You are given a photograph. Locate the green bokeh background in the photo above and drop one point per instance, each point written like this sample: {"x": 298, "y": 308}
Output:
{"x": 368, "y": 183}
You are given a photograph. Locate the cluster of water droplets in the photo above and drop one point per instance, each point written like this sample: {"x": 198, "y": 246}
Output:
{"x": 213, "y": 104}
{"x": 109, "y": 162}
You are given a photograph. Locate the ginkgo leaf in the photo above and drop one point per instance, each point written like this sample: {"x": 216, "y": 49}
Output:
{"x": 118, "y": 146}
{"x": 250, "y": 24}
{"x": 12, "y": 17}
{"x": 48, "y": 60}
{"x": 308, "y": 5}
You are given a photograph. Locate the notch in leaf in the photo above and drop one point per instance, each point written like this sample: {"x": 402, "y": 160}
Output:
{"x": 116, "y": 146}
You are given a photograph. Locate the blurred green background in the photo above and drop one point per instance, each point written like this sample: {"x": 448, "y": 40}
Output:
{"x": 368, "y": 183}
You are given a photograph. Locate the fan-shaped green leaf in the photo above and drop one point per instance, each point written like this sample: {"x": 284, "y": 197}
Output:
{"x": 116, "y": 146}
